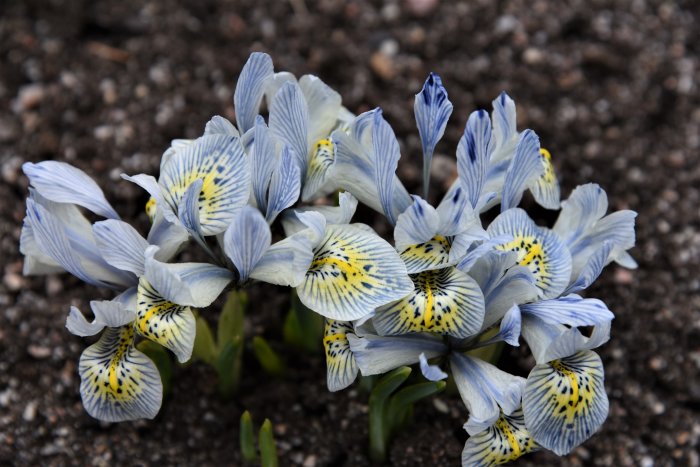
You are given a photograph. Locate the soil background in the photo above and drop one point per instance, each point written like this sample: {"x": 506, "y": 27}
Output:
{"x": 611, "y": 87}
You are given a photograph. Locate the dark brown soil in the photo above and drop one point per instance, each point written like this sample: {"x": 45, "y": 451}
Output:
{"x": 610, "y": 86}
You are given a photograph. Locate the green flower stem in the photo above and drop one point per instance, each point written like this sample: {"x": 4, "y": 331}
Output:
{"x": 267, "y": 357}
{"x": 247, "y": 439}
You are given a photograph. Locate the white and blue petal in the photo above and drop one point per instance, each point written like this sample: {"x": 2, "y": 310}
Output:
{"x": 417, "y": 224}
{"x": 473, "y": 155}
{"x": 445, "y": 301}
{"x": 262, "y": 162}
{"x": 62, "y": 183}
{"x": 219, "y": 125}
{"x": 65, "y": 236}
{"x": 289, "y": 121}
{"x": 456, "y": 214}
{"x": 430, "y": 372}
{"x": 285, "y": 185}
{"x": 352, "y": 273}
{"x": 36, "y": 262}
{"x": 324, "y": 106}
{"x": 118, "y": 382}
{"x": 321, "y": 160}
{"x": 564, "y": 401}
{"x": 187, "y": 284}
{"x": 341, "y": 214}
{"x": 250, "y": 88}
{"x": 591, "y": 270}
{"x": 167, "y": 236}
{"x": 341, "y": 366}
{"x": 473, "y": 254}
{"x": 571, "y": 310}
{"x": 246, "y": 241}
{"x": 121, "y": 245}
{"x": 485, "y": 390}
{"x": 164, "y": 322}
{"x": 432, "y": 109}
{"x": 377, "y": 355}
{"x": 538, "y": 248}
{"x": 386, "y": 153}
{"x": 523, "y": 169}
{"x": 503, "y": 442}
{"x": 107, "y": 313}
{"x": 549, "y": 341}
{"x": 150, "y": 184}
{"x": 504, "y": 126}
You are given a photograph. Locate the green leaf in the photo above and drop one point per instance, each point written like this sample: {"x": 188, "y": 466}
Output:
{"x": 231, "y": 320}
{"x": 247, "y": 438}
{"x": 267, "y": 357}
{"x": 228, "y": 366}
{"x": 161, "y": 358}
{"x": 204, "y": 345}
{"x": 303, "y": 328}
{"x": 401, "y": 403}
{"x": 268, "y": 449}
{"x": 379, "y": 428}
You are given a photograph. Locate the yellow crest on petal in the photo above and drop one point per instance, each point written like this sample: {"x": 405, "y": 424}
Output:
{"x": 505, "y": 441}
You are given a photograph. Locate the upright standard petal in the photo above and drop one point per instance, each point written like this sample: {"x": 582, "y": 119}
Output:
{"x": 221, "y": 164}
{"x": 446, "y": 301}
{"x": 340, "y": 363}
{"x": 121, "y": 245}
{"x": 324, "y": 107}
{"x": 187, "y": 284}
{"x": 386, "y": 158}
{"x": 262, "y": 162}
{"x": 473, "y": 155}
{"x": 523, "y": 169}
{"x": 341, "y": 214}
{"x": 504, "y": 126}
{"x": 539, "y": 249}
{"x": 250, "y": 87}
{"x": 564, "y": 401}
{"x": 352, "y": 273}
{"x": 285, "y": 185}
{"x": 432, "y": 109}
{"x": 377, "y": 355}
{"x": 549, "y": 341}
{"x": 246, "y": 241}
{"x": 591, "y": 269}
{"x": 289, "y": 121}
{"x": 503, "y": 442}
{"x": 118, "y": 382}
{"x": 164, "y": 322}
{"x": 485, "y": 390}
{"x": 62, "y": 183}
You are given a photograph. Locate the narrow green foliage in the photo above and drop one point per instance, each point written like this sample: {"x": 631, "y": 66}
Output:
{"x": 228, "y": 365}
{"x": 162, "y": 360}
{"x": 204, "y": 346}
{"x": 231, "y": 320}
{"x": 268, "y": 447}
{"x": 303, "y": 328}
{"x": 247, "y": 438}
{"x": 267, "y": 357}
{"x": 390, "y": 410}
{"x": 378, "y": 409}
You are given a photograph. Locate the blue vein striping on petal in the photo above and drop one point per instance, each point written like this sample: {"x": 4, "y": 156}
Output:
{"x": 250, "y": 87}
{"x": 340, "y": 363}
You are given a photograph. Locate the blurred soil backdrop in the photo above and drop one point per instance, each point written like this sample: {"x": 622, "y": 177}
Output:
{"x": 611, "y": 87}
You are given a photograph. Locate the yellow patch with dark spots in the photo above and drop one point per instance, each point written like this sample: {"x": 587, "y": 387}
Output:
{"x": 531, "y": 253}
{"x": 505, "y": 441}
{"x": 340, "y": 363}
{"x": 151, "y": 209}
{"x": 445, "y": 301}
{"x": 433, "y": 254}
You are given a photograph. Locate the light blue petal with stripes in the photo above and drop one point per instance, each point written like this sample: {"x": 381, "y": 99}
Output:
{"x": 62, "y": 183}
{"x": 504, "y": 126}
{"x": 591, "y": 270}
{"x": 341, "y": 214}
{"x": 571, "y": 310}
{"x": 219, "y": 125}
{"x": 555, "y": 341}
{"x": 523, "y": 169}
{"x": 187, "y": 284}
{"x": 377, "y": 355}
{"x": 285, "y": 185}
{"x": 485, "y": 390}
{"x": 473, "y": 155}
{"x": 107, "y": 313}
{"x": 417, "y": 224}
{"x": 262, "y": 162}
{"x": 324, "y": 106}
{"x": 386, "y": 153}
{"x": 246, "y": 241}
{"x": 431, "y": 372}
{"x": 121, "y": 245}
{"x": 289, "y": 121}
{"x": 250, "y": 87}
{"x": 432, "y": 109}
